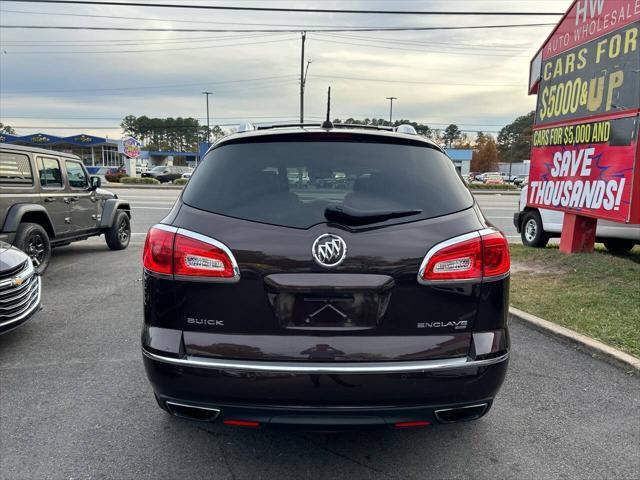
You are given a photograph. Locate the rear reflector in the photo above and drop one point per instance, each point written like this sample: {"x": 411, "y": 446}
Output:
{"x": 473, "y": 256}
{"x": 174, "y": 251}
{"x": 242, "y": 423}
{"x": 416, "y": 424}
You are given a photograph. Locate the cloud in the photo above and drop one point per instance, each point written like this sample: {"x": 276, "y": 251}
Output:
{"x": 80, "y": 90}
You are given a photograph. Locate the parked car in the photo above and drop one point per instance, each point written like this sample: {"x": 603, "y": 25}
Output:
{"x": 483, "y": 176}
{"x": 102, "y": 172}
{"x": 521, "y": 180}
{"x": 493, "y": 179}
{"x": 537, "y": 225}
{"x": 383, "y": 301}
{"x": 20, "y": 288}
{"x": 508, "y": 178}
{"x": 167, "y": 173}
{"x": 187, "y": 175}
{"x": 47, "y": 200}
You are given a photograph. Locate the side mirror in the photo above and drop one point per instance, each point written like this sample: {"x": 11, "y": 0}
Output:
{"x": 95, "y": 182}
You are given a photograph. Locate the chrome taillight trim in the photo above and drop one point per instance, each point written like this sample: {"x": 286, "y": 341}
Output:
{"x": 327, "y": 367}
{"x": 448, "y": 243}
{"x": 211, "y": 241}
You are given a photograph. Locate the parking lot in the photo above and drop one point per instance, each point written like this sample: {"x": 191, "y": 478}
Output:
{"x": 75, "y": 403}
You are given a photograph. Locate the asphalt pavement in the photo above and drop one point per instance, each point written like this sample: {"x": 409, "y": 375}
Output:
{"x": 75, "y": 403}
{"x": 149, "y": 205}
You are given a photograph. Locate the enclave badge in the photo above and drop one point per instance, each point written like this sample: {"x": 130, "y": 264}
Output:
{"x": 329, "y": 250}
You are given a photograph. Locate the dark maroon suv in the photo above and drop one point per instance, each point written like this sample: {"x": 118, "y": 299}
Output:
{"x": 378, "y": 295}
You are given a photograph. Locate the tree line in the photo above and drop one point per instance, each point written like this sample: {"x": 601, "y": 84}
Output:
{"x": 513, "y": 143}
{"x": 173, "y": 134}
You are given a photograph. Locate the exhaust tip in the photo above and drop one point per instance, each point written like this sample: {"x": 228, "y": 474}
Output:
{"x": 461, "y": 414}
{"x": 201, "y": 414}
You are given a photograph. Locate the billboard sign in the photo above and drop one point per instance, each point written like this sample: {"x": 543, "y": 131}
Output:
{"x": 131, "y": 147}
{"x": 584, "y": 157}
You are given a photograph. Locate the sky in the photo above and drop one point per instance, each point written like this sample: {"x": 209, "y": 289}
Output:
{"x": 65, "y": 82}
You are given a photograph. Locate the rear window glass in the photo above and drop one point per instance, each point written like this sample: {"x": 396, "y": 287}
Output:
{"x": 15, "y": 169}
{"x": 292, "y": 183}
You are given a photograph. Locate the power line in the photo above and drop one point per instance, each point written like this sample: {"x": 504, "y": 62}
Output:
{"x": 298, "y": 26}
{"x": 93, "y": 52}
{"x": 465, "y": 46}
{"x": 147, "y": 87}
{"x": 131, "y": 42}
{"x": 417, "y": 49}
{"x": 412, "y": 82}
{"x": 255, "y": 82}
{"x": 258, "y": 30}
{"x": 288, "y": 9}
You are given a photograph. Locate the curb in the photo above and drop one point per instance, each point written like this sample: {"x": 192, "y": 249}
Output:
{"x": 588, "y": 345}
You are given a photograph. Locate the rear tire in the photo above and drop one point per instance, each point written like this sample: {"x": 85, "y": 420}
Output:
{"x": 532, "y": 231}
{"x": 618, "y": 246}
{"x": 33, "y": 240}
{"x": 119, "y": 234}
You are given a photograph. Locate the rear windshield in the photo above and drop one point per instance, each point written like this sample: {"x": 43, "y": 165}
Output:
{"x": 293, "y": 184}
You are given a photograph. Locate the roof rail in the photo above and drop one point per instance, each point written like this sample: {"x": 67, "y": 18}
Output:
{"x": 286, "y": 125}
{"x": 357, "y": 125}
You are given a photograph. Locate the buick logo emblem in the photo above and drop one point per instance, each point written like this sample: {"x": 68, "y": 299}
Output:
{"x": 329, "y": 250}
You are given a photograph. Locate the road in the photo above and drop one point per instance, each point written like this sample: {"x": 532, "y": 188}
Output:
{"x": 151, "y": 204}
{"x": 75, "y": 403}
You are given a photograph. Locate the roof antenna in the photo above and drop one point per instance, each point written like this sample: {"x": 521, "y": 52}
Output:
{"x": 327, "y": 123}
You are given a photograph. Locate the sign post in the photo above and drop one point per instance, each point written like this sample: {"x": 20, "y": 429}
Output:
{"x": 585, "y": 159}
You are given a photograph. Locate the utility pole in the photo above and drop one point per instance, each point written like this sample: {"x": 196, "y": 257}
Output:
{"x": 391, "y": 99}
{"x": 302, "y": 77}
{"x": 208, "y": 125}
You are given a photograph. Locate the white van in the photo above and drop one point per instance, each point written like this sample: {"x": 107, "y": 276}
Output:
{"x": 537, "y": 225}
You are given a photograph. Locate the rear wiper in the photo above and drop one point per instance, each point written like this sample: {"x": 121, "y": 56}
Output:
{"x": 354, "y": 217}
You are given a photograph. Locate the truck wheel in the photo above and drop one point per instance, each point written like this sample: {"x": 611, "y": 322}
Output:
{"x": 33, "y": 240}
{"x": 119, "y": 234}
{"x": 618, "y": 245}
{"x": 532, "y": 232}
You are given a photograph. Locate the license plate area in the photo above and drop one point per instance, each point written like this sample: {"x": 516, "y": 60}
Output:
{"x": 343, "y": 305}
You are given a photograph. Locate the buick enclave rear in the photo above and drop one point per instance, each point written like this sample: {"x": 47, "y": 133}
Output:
{"x": 325, "y": 277}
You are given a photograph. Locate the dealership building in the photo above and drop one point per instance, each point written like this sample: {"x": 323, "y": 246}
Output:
{"x": 98, "y": 151}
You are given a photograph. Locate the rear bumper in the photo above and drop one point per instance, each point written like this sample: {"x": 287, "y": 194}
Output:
{"x": 290, "y": 393}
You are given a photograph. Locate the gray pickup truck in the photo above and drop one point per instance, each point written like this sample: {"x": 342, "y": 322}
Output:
{"x": 47, "y": 200}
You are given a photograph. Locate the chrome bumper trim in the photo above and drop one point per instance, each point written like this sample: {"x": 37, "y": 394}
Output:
{"x": 318, "y": 368}
{"x": 31, "y": 309}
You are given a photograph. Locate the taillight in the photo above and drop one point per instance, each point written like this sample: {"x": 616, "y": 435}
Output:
{"x": 495, "y": 254}
{"x": 158, "y": 250}
{"x": 472, "y": 256}
{"x": 176, "y": 251}
{"x": 200, "y": 259}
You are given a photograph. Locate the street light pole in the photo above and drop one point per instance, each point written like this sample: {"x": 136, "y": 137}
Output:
{"x": 208, "y": 125}
{"x": 391, "y": 99}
